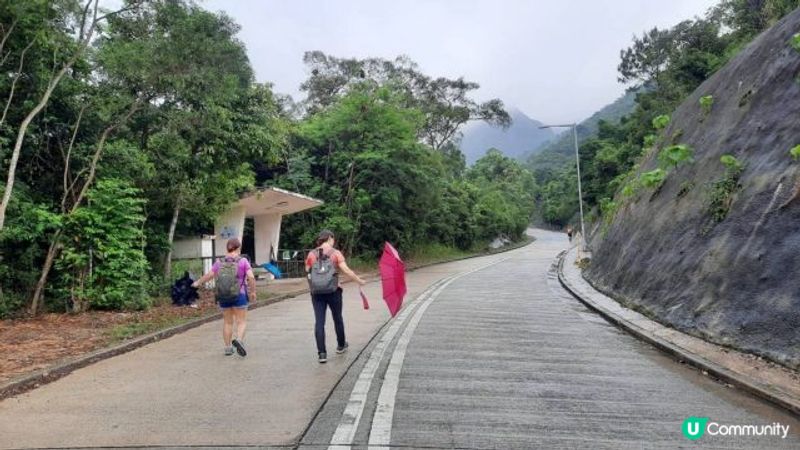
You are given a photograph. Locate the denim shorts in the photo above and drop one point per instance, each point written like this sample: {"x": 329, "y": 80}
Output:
{"x": 239, "y": 302}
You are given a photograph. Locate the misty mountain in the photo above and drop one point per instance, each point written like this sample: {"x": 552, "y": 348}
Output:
{"x": 587, "y": 129}
{"x": 560, "y": 151}
{"x": 516, "y": 141}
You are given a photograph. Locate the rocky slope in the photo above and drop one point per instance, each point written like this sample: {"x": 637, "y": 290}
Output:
{"x": 735, "y": 280}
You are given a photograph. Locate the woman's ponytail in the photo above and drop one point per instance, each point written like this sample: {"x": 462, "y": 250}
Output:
{"x": 323, "y": 237}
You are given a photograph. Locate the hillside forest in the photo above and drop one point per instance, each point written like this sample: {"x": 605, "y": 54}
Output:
{"x": 123, "y": 129}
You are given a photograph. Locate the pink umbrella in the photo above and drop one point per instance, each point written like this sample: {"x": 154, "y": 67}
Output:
{"x": 393, "y": 278}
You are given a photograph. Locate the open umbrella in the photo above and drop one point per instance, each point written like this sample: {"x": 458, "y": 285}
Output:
{"x": 393, "y": 278}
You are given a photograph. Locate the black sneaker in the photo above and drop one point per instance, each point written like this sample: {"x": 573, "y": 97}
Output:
{"x": 323, "y": 357}
{"x": 239, "y": 348}
{"x": 343, "y": 348}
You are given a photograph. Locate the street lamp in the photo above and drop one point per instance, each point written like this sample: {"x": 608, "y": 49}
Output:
{"x": 574, "y": 127}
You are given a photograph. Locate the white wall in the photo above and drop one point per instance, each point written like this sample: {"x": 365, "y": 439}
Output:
{"x": 267, "y": 230}
{"x": 194, "y": 248}
{"x": 229, "y": 224}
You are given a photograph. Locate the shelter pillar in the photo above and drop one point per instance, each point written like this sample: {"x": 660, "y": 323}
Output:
{"x": 229, "y": 225}
{"x": 267, "y": 231}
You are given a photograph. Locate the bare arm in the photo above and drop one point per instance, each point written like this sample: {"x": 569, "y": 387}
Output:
{"x": 204, "y": 279}
{"x": 349, "y": 272}
{"x": 250, "y": 279}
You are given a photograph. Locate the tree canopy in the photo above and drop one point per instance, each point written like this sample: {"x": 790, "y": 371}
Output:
{"x": 123, "y": 129}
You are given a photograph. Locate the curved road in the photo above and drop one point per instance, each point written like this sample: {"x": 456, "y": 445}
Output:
{"x": 505, "y": 358}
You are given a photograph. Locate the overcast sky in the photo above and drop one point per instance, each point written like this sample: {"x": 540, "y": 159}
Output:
{"x": 554, "y": 60}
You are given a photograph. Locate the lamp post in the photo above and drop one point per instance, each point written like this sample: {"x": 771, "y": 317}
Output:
{"x": 574, "y": 127}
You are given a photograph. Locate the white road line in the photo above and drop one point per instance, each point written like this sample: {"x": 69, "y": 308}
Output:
{"x": 348, "y": 425}
{"x": 380, "y": 435}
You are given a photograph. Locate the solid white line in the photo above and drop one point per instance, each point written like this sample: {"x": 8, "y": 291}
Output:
{"x": 348, "y": 425}
{"x": 380, "y": 435}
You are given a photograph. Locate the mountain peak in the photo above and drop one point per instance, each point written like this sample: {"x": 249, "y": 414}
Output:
{"x": 519, "y": 139}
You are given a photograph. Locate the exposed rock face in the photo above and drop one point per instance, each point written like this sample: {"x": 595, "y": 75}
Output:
{"x": 734, "y": 282}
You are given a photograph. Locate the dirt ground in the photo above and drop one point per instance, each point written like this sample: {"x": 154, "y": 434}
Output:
{"x": 32, "y": 344}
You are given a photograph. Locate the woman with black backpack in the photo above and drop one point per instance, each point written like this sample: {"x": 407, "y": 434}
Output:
{"x": 235, "y": 287}
{"x": 323, "y": 265}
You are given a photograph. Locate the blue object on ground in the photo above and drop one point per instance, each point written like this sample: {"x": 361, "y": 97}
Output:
{"x": 273, "y": 269}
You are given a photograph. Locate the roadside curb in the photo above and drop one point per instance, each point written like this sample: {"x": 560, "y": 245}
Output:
{"x": 758, "y": 387}
{"x": 39, "y": 378}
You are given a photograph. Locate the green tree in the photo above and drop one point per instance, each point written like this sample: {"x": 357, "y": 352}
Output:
{"x": 102, "y": 263}
{"x": 445, "y": 103}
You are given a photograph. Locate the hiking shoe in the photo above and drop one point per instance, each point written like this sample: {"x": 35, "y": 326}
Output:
{"x": 239, "y": 348}
{"x": 343, "y": 348}
{"x": 323, "y": 357}
{"x": 228, "y": 351}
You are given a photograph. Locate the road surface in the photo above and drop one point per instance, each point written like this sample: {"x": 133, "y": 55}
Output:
{"x": 505, "y": 358}
{"x": 488, "y": 353}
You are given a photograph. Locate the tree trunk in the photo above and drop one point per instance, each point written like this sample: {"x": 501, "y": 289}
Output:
{"x": 36, "y": 300}
{"x": 170, "y": 239}
{"x": 14, "y": 82}
{"x": 23, "y": 128}
{"x": 38, "y": 293}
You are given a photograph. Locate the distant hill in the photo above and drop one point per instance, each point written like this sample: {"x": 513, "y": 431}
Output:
{"x": 553, "y": 155}
{"x": 516, "y": 141}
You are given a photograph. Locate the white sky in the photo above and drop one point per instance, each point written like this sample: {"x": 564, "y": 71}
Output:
{"x": 554, "y": 60}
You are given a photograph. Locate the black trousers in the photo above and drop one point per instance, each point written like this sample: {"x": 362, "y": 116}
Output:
{"x": 321, "y": 303}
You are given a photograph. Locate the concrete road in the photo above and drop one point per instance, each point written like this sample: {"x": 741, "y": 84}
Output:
{"x": 488, "y": 353}
{"x": 184, "y": 391}
{"x": 505, "y": 358}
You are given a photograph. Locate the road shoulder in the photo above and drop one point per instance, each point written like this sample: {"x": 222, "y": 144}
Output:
{"x": 764, "y": 379}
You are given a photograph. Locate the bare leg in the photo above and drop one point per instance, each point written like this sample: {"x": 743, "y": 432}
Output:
{"x": 227, "y": 325}
{"x": 241, "y": 322}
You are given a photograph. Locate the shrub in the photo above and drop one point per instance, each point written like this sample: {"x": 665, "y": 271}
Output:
{"x": 631, "y": 188}
{"x": 731, "y": 163}
{"x": 654, "y": 178}
{"x": 102, "y": 264}
{"x": 795, "y": 152}
{"x": 706, "y": 102}
{"x": 675, "y": 155}
{"x": 608, "y": 207}
{"x": 661, "y": 122}
{"x": 722, "y": 191}
{"x": 795, "y": 42}
{"x": 10, "y": 303}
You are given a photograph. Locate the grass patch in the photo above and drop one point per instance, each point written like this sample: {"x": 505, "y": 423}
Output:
{"x": 722, "y": 191}
{"x": 430, "y": 254}
{"x": 131, "y": 330}
{"x": 362, "y": 264}
{"x": 437, "y": 252}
